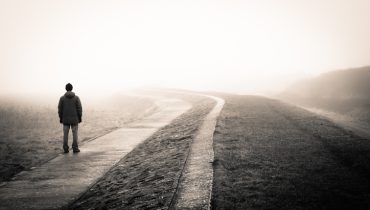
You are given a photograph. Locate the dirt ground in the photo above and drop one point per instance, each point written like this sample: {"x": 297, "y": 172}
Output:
{"x": 270, "y": 155}
{"x": 148, "y": 176}
{"x": 31, "y": 134}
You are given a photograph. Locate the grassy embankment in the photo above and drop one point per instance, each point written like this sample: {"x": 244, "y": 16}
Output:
{"x": 148, "y": 176}
{"x": 269, "y": 155}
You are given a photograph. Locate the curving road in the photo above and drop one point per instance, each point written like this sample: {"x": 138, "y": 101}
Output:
{"x": 66, "y": 177}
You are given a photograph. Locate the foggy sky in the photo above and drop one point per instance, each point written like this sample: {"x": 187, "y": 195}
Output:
{"x": 251, "y": 46}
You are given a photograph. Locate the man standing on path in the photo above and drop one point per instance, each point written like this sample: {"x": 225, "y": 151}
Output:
{"x": 70, "y": 114}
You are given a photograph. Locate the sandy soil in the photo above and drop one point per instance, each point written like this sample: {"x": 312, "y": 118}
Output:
{"x": 147, "y": 177}
{"x": 30, "y": 134}
{"x": 269, "y": 155}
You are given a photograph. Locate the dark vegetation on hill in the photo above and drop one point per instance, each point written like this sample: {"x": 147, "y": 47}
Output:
{"x": 343, "y": 91}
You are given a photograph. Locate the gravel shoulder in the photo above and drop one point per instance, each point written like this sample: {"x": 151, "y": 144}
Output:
{"x": 270, "y": 155}
{"x": 148, "y": 176}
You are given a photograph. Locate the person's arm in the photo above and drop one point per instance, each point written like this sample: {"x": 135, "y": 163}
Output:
{"x": 60, "y": 110}
{"x": 79, "y": 109}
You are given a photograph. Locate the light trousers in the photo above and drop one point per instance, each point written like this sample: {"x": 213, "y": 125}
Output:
{"x": 74, "y": 133}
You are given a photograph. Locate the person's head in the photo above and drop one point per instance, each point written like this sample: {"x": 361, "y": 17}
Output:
{"x": 69, "y": 87}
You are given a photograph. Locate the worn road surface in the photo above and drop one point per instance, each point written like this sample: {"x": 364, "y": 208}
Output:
{"x": 64, "y": 178}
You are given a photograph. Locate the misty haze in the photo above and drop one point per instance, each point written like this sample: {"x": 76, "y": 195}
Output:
{"x": 184, "y": 104}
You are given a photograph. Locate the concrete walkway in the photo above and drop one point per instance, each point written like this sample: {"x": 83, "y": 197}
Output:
{"x": 195, "y": 186}
{"x": 63, "y": 179}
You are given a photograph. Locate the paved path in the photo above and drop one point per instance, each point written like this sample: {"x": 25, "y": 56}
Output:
{"x": 63, "y": 179}
{"x": 195, "y": 186}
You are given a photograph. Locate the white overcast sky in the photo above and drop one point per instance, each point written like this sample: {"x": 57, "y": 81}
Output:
{"x": 251, "y": 46}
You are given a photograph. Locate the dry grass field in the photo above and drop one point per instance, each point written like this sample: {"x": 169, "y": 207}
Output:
{"x": 30, "y": 133}
{"x": 269, "y": 155}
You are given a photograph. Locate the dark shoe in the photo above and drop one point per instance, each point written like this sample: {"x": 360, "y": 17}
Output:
{"x": 66, "y": 150}
{"x": 76, "y": 150}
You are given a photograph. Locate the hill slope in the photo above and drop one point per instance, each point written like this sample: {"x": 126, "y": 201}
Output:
{"x": 343, "y": 91}
{"x": 270, "y": 155}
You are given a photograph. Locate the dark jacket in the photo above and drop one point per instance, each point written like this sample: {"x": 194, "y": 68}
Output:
{"x": 70, "y": 109}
